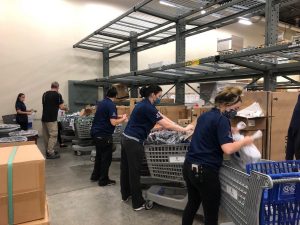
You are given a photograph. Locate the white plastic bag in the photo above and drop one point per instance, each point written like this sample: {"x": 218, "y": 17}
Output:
{"x": 247, "y": 154}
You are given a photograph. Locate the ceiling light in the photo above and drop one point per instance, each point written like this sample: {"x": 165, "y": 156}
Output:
{"x": 170, "y": 4}
{"x": 245, "y": 21}
{"x": 203, "y": 12}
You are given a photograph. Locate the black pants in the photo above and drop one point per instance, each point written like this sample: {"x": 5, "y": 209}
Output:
{"x": 23, "y": 125}
{"x": 103, "y": 159}
{"x": 203, "y": 187}
{"x": 132, "y": 153}
{"x": 293, "y": 144}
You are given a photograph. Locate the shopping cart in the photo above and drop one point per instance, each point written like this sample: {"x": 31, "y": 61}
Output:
{"x": 67, "y": 127}
{"x": 84, "y": 142}
{"x": 268, "y": 195}
{"x": 165, "y": 163}
{"x": 119, "y": 129}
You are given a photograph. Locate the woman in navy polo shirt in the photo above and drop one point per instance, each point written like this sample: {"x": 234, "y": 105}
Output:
{"x": 143, "y": 118}
{"x": 103, "y": 127}
{"x": 212, "y": 138}
{"x": 22, "y": 112}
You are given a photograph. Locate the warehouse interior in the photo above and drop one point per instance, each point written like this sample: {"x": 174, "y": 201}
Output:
{"x": 191, "y": 48}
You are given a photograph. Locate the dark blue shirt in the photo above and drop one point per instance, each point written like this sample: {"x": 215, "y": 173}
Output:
{"x": 212, "y": 130}
{"x": 295, "y": 121}
{"x": 102, "y": 126}
{"x": 143, "y": 118}
{"x": 21, "y": 118}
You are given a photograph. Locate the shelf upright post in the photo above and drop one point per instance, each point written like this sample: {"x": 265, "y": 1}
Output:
{"x": 105, "y": 67}
{"x": 133, "y": 61}
{"x": 271, "y": 37}
{"x": 180, "y": 57}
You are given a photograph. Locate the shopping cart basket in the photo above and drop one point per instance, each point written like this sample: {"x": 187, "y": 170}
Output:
{"x": 165, "y": 163}
{"x": 244, "y": 200}
{"x": 84, "y": 142}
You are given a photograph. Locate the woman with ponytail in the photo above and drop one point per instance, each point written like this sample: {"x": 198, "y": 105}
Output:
{"x": 212, "y": 138}
{"x": 143, "y": 118}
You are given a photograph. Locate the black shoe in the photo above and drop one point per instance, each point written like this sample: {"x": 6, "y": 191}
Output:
{"x": 55, "y": 152}
{"x": 126, "y": 199}
{"x": 53, "y": 156}
{"x": 107, "y": 183}
{"x": 63, "y": 145}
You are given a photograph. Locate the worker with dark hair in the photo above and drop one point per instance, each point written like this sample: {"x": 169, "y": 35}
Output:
{"x": 52, "y": 101}
{"x": 143, "y": 118}
{"x": 293, "y": 139}
{"x": 212, "y": 137}
{"x": 22, "y": 112}
{"x": 105, "y": 120}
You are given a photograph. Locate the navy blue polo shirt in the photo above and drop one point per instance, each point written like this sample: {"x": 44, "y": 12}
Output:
{"x": 143, "y": 118}
{"x": 212, "y": 130}
{"x": 102, "y": 126}
{"x": 21, "y": 118}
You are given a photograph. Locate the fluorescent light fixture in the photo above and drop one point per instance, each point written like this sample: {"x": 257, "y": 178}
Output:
{"x": 170, "y": 4}
{"x": 203, "y": 12}
{"x": 245, "y": 21}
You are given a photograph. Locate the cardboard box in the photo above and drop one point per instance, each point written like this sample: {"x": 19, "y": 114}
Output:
{"x": 254, "y": 124}
{"x": 123, "y": 110}
{"x": 44, "y": 221}
{"x": 28, "y": 184}
{"x": 122, "y": 91}
{"x": 174, "y": 113}
{"x": 184, "y": 122}
{"x": 196, "y": 112}
{"x": 17, "y": 143}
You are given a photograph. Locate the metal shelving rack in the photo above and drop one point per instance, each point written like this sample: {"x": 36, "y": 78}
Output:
{"x": 156, "y": 22}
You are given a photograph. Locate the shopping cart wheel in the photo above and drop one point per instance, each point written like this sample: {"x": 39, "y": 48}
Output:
{"x": 93, "y": 158}
{"x": 149, "y": 205}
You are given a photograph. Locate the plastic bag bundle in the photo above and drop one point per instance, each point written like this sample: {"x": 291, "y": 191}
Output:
{"x": 166, "y": 137}
{"x": 247, "y": 154}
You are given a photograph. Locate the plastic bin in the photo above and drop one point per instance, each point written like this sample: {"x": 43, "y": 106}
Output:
{"x": 281, "y": 204}
{"x": 9, "y": 119}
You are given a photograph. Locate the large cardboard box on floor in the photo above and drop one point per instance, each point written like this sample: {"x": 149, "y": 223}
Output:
{"x": 44, "y": 221}
{"x": 28, "y": 184}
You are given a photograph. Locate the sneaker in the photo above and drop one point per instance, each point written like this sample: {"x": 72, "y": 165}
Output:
{"x": 126, "y": 199}
{"x": 140, "y": 208}
{"x": 53, "y": 156}
{"x": 107, "y": 183}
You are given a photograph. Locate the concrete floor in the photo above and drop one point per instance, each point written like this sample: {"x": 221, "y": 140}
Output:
{"x": 74, "y": 200}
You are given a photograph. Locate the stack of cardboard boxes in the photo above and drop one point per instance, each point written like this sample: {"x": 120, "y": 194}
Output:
{"x": 22, "y": 186}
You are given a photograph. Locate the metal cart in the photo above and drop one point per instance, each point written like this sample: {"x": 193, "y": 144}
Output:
{"x": 165, "y": 163}
{"x": 84, "y": 142}
{"x": 269, "y": 195}
{"x": 13, "y": 139}
{"x": 67, "y": 127}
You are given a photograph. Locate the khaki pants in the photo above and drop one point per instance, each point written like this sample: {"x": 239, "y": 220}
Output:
{"x": 50, "y": 132}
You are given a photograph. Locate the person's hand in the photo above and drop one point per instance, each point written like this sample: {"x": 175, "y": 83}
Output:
{"x": 29, "y": 113}
{"x": 124, "y": 118}
{"x": 248, "y": 140}
{"x": 189, "y": 128}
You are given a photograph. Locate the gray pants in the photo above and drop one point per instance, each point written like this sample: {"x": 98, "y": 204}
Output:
{"x": 50, "y": 132}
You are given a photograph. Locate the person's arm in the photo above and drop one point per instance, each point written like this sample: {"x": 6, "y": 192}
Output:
{"x": 233, "y": 147}
{"x": 63, "y": 107}
{"x": 118, "y": 121}
{"x": 165, "y": 117}
{"x": 23, "y": 113}
{"x": 172, "y": 126}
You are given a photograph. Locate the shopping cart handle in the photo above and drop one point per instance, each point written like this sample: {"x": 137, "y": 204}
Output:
{"x": 286, "y": 180}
